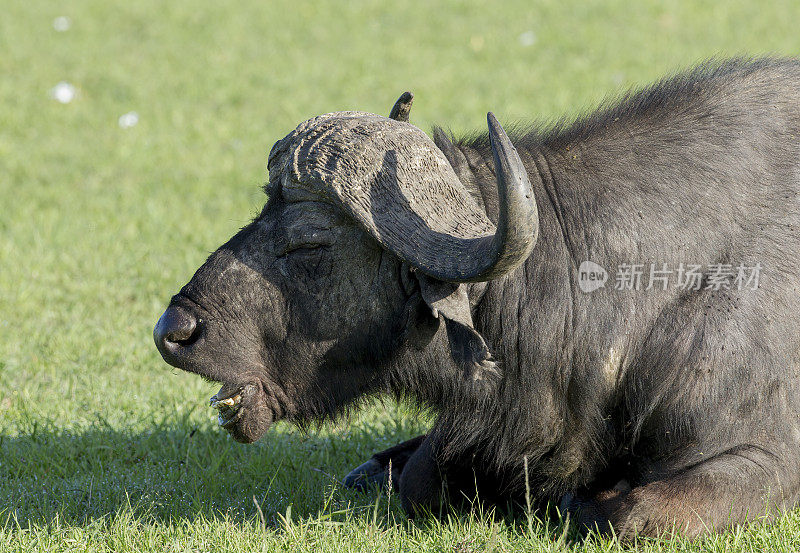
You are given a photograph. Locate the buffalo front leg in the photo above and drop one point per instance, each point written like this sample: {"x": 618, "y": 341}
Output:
{"x": 732, "y": 488}
{"x": 421, "y": 483}
{"x": 376, "y": 471}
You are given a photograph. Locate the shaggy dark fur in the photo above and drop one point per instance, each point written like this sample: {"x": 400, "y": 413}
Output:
{"x": 638, "y": 409}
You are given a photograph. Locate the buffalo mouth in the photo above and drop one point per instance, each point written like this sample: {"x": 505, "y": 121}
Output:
{"x": 242, "y": 411}
{"x": 228, "y": 408}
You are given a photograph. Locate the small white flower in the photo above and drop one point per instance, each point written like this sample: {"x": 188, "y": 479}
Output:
{"x": 528, "y": 38}
{"x": 128, "y": 120}
{"x": 62, "y": 23}
{"x": 63, "y": 92}
{"x": 476, "y": 42}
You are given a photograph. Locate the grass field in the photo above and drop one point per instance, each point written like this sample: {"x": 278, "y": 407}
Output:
{"x": 105, "y": 448}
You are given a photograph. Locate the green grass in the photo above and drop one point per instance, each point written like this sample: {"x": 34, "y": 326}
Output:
{"x": 102, "y": 446}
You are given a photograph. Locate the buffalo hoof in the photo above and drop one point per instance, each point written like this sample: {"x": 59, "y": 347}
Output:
{"x": 595, "y": 514}
{"x": 367, "y": 476}
{"x": 383, "y": 466}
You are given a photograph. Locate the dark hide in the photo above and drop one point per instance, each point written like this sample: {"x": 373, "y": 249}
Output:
{"x": 638, "y": 409}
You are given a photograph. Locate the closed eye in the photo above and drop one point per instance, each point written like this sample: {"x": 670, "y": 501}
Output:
{"x": 301, "y": 248}
{"x": 306, "y": 234}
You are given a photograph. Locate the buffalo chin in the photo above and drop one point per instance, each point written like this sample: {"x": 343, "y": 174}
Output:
{"x": 249, "y": 417}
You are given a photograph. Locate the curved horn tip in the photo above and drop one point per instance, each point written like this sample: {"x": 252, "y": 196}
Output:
{"x": 402, "y": 107}
{"x": 495, "y": 128}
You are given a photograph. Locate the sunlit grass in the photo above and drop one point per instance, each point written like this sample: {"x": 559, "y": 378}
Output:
{"x": 104, "y": 447}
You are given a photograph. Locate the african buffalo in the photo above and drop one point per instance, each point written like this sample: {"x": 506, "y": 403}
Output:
{"x": 606, "y": 311}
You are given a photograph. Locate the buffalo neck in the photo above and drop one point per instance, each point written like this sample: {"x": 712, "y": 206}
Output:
{"x": 528, "y": 319}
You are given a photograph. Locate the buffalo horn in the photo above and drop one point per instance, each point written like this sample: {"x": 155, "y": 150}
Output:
{"x": 402, "y": 107}
{"x": 394, "y": 181}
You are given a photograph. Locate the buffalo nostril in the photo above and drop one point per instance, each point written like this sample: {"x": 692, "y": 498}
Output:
{"x": 176, "y": 327}
{"x": 184, "y": 336}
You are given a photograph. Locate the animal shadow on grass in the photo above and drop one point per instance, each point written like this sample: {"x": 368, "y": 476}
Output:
{"x": 177, "y": 471}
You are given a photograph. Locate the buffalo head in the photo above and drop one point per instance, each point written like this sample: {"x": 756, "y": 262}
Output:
{"x": 362, "y": 246}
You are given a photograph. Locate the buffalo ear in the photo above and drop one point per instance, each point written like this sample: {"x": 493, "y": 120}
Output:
{"x": 448, "y": 301}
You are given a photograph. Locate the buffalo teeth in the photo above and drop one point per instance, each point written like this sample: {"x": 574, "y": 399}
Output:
{"x": 229, "y": 402}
